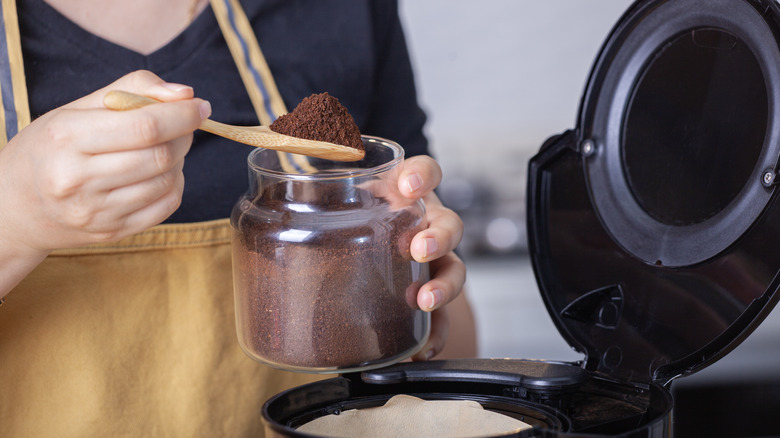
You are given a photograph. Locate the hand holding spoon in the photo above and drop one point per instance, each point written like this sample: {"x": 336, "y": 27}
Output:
{"x": 259, "y": 136}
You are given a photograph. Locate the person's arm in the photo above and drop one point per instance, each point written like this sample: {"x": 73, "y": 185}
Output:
{"x": 83, "y": 174}
{"x": 462, "y": 333}
{"x": 16, "y": 262}
{"x": 397, "y": 114}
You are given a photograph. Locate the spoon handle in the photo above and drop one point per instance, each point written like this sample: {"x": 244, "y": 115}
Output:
{"x": 123, "y": 101}
{"x": 252, "y": 135}
{"x": 264, "y": 137}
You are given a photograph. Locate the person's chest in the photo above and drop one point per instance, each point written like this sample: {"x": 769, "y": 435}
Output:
{"x": 142, "y": 26}
{"x": 64, "y": 62}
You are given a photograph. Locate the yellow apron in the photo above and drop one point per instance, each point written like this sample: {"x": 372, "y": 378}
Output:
{"x": 135, "y": 338}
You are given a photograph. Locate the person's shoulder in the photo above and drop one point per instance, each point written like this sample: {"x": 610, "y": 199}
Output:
{"x": 383, "y": 9}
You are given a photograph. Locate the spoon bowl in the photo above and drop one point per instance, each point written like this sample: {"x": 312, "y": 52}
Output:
{"x": 258, "y": 136}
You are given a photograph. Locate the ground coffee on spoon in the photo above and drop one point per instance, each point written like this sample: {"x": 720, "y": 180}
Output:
{"x": 320, "y": 117}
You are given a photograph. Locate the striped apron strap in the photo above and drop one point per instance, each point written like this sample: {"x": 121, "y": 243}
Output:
{"x": 255, "y": 73}
{"x": 15, "y": 109}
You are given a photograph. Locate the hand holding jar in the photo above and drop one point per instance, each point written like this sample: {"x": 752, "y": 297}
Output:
{"x": 332, "y": 266}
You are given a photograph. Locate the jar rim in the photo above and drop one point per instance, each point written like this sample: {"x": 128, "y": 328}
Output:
{"x": 368, "y": 141}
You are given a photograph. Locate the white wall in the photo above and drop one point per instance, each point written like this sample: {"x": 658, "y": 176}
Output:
{"x": 499, "y": 76}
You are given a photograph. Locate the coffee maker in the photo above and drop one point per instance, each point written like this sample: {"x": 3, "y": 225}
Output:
{"x": 653, "y": 230}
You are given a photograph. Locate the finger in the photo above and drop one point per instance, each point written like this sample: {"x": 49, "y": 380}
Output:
{"x": 106, "y": 212}
{"x": 113, "y": 170}
{"x": 462, "y": 332}
{"x": 100, "y": 131}
{"x": 157, "y": 211}
{"x": 443, "y": 235}
{"x": 148, "y": 215}
{"x": 440, "y": 324}
{"x": 420, "y": 175}
{"x": 448, "y": 275}
{"x": 123, "y": 201}
{"x": 140, "y": 82}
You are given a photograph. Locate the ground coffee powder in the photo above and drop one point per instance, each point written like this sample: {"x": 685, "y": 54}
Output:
{"x": 320, "y": 117}
{"x": 331, "y": 286}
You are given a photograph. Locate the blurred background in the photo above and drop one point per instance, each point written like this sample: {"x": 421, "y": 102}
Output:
{"x": 498, "y": 77}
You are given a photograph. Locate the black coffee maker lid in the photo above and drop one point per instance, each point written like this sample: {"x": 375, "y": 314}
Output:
{"x": 654, "y": 226}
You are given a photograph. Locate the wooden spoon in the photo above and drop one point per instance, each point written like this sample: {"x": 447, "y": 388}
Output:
{"x": 260, "y": 136}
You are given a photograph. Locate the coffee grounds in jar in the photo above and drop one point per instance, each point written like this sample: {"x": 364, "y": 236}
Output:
{"x": 320, "y": 117}
{"x": 327, "y": 303}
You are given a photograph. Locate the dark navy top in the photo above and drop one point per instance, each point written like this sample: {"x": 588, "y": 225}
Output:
{"x": 353, "y": 49}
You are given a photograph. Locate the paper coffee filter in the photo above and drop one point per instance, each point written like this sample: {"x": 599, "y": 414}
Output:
{"x": 407, "y": 416}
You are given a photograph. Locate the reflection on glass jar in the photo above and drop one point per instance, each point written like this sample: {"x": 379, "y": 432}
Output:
{"x": 323, "y": 277}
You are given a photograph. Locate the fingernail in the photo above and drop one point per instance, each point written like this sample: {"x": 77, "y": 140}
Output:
{"x": 431, "y": 299}
{"x": 176, "y": 87}
{"x": 413, "y": 182}
{"x": 430, "y": 246}
{"x": 205, "y": 109}
{"x": 429, "y": 354}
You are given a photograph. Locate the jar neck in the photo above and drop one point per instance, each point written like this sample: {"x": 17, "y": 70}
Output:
{"x": 370, "y": 181}
{"x": 323, "y": 194}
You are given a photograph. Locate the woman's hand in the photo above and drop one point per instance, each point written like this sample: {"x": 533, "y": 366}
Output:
{"x": 83, "y": 174}
{"x": 419, "y": 177}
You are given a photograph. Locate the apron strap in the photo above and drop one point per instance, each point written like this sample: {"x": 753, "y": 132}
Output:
{"x": 249, "y": 59}
{"x": 255, "y": 73}
{"x": 15, "y": 109}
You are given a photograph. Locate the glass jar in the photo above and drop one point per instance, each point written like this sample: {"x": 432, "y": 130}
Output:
{"x": 323, "y": 277}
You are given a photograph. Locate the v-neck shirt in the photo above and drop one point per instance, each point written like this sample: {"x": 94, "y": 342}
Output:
{"x": 354, "y": 50}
